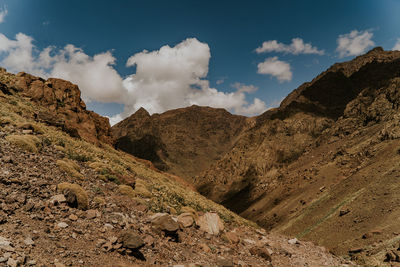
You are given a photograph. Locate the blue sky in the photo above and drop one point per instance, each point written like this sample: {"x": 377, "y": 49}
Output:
{"x": 213, "y": 42}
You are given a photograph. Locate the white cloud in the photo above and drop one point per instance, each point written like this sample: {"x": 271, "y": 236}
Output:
{"x": 397, "y": 45}
{"x": 296, "y": 47}
{"x": 173, "y": 77}
{"x": 3, "y": 14}
{"x": 354, "y": 43}
{"x": 244, "y": 88}
{"x": 277, "y": 68}
{"x": 96, "y": 77}
{"x": 168, "y": 78}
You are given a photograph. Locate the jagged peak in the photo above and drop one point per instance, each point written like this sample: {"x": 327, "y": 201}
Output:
{"x": 141, "y": 112}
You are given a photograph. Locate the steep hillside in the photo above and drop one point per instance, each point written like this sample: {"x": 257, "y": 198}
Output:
{"x": 183, "y": 141}
{"x": 65, "y": 201}
{"x": 324, "y": 165}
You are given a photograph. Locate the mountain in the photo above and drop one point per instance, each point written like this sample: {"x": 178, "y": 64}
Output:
{"x": 68, "y": 198}
{"x": 322, "y": 167}
{"x": 183, "y": 141}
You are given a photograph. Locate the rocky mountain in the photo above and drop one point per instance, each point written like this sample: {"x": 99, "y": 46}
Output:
{"x": 68, "y": 198}
{"x": 62, "y": 106}
{"x": 324, "y": 165}
{"x": 321, "y": 167}
{"x": 183, "y": 141}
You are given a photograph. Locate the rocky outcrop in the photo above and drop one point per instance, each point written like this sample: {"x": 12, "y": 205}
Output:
{"x": 64, "y": 107}
{"x": 183, "y": 141}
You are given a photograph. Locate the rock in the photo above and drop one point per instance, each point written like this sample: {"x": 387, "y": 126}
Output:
{"x": 28, "y": 241}
{"x": 371, "y": 234}
{"x": 31, "y": 263}
{"x": 232, "y": 237}
{"x": 75, "y": 195}
{"x": 205, "y": 248}
{"x": 392, "y": 256}
{"x": 58, "y": 199}
{"x": 91, "y": 214}
{"x": 59, "y": 264}
{"x": 6, "y": 245}
{"x": 62, "y": 225}
{"x": 64, "y": 108}
{"x": 260, "y": 252}
{"x": 165, "y": 223}
{"x": 185, "y": 220}
{"x": 12, "y": 263}
{"x": 131, "y": 240}
{"x": 293, "y": 241}
{"x": 355, "y": 250}
{"x": 210, "y": 223}
{"x": 73, "y": 217}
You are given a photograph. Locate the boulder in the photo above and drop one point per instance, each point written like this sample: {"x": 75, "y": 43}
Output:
{"x": 210, "y": 223}
{"x": 131, "y": 240}
{"x": 165, "y": 222}
{"x": 185, "y": 220}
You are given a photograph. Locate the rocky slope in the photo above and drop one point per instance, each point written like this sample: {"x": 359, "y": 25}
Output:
{"x": 183, "y": 141}
{"x": 64, "y": 106}
{"x": 324, "y": 165}
{"x": 68, "y": 202}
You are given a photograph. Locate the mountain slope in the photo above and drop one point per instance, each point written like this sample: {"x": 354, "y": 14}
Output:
{"x": 323, "y": 166}
{"x": 183, "y": 141}
{"x": 66, "y": 201}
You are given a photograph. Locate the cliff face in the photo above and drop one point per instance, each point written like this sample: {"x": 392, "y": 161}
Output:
{"x": 63, "y": 107}
{"x": 183, "y": 141}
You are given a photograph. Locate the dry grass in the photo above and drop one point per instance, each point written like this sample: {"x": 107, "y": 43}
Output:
{"x": 27, "y": 142}
{"x": 70, "y": 167}
{"x": 80, "y": 194}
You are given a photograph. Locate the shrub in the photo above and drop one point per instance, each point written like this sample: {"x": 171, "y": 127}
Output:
{"x": 76, "y": 190}
{"x": 27, "y": 142}
{"x": 70, "y": 167}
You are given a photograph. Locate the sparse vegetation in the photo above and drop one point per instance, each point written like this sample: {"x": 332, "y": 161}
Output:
{"x": 29, "y": 143}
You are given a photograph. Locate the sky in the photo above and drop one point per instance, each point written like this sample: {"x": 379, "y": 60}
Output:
{"x": 244, "y": 56}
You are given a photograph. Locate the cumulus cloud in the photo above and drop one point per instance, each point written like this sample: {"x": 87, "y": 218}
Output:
{"x": 354, "y": 43}
{"x": 168, "y": 78}
{"x": 296, "y": 47}
{"x": 277, "y": 68}
{"x": 3, "y": 14}
{"x": 397, "y": 45}
{"x": 173, "y": 77}
{"x": 95, "y": 75}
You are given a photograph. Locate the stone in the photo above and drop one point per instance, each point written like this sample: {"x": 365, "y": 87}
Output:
{"x": 185, "y": 220}
{"x": 205, "y": 248}
{"x": 210, "y": 223}
{"x": 232, "y": 237}
{"x": 6, "y": 245}
{"x": 91, "y": 214}
{"x": 12, "y": 263}
{"x": 355, "y": 250}
{"x": 261, "y": 252}
{"x": 58, "y": 199}
{"x": 62, "y": 225}
{"x": 131, "y": 240}
{"x": 165, "y": 223}
{"x": 73, "y": 217}
{"x": 392, "y": 256}
{"x": 293, "y": 241}
{"x": 28, "y": 241}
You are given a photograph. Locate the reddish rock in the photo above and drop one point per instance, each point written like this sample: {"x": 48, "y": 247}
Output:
{"x": 64, "y": 108}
